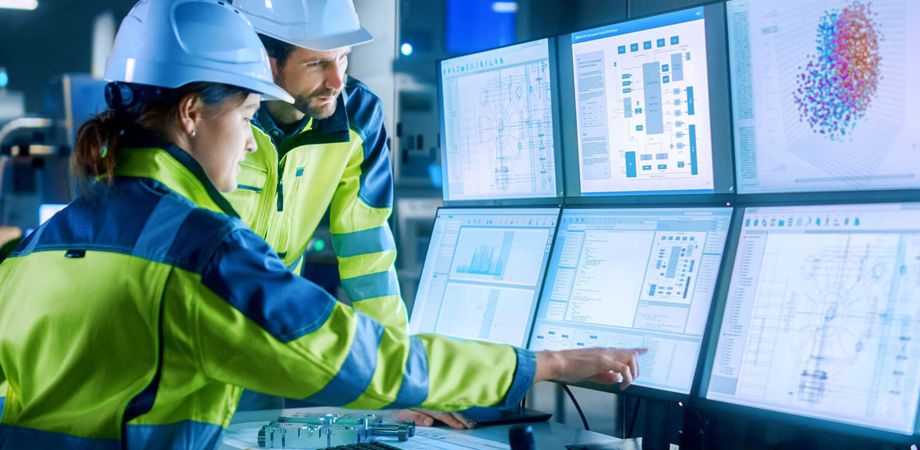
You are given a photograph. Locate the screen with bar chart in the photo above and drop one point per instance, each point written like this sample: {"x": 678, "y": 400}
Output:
{"x": 822, "y": 314}
{"x": 483, "y": 273}
{"x": 634, "y": 278}
{"x": 642, "y": 106}
{"x": 824, "y": 94}
{"x": 498, "y": 137}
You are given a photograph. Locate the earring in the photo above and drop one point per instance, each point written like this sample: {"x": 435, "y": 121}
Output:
{"x": 192, "y": 134}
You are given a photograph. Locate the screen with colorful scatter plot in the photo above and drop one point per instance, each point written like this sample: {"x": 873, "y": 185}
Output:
{"x": 823, "y": 94}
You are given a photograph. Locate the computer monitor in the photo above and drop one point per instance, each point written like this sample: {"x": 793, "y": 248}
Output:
{"x": 48, "y": 210}
{"x": 634, "y": 278}
{"x": 498, "y": 116}
{"x": 821, "y": 318}
{"x": 649, "y": 102}
{"x": 483, "y": 273}
{"x": 823, "y": 95}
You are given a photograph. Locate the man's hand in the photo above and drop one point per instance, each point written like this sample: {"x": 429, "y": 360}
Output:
{"x": 426, "y": 418}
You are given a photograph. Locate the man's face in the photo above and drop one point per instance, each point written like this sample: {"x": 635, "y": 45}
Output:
{"x": 315, "y": 79}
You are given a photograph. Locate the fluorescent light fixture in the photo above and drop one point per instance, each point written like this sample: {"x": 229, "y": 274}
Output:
{"x": 19, "y": 4}
{"x": 505, "y": 7}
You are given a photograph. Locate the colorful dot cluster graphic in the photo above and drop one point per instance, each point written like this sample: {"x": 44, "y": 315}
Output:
{"x": 837, "y": 85}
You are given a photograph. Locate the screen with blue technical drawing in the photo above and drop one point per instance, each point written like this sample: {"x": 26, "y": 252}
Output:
{"x": 483, "y": 273}
{"x": 498, "y": 117}
{"x": 642, "y": 93}
{"x": 634, "y": 278}
{"x": 822, "y": 314}
{"x": 825, "y": 95}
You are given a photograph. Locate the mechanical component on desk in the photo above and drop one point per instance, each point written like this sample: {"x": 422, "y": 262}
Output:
{"x": 312, "y": 431}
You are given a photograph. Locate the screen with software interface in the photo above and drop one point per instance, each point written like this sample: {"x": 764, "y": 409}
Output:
{"x": 822, "y": 315}
{"x": 634, "y": 278}
{"x": 642, "y": 103}
{"x": 483, "y": 273}
{"x": 497, "y": 112}
{"x": 824, "y": 94}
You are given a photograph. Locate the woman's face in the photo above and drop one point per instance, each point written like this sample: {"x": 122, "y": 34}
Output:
{"x": 223, "y": 137}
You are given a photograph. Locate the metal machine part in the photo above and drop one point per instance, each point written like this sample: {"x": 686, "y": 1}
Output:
{"x": 312, "y": 431}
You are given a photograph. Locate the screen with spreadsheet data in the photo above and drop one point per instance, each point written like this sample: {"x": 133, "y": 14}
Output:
{"x": 634, "y": 278}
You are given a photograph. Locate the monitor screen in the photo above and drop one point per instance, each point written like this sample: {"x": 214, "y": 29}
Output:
{"x": 822, "y": 314}
{"x": 48, "y": 210}
{"x": 642, "y": 94}
{"x": 633, "y": 278}
{"x": 497, "y": 111}
{"x": 482, "y": 276}
{"x": 822, "y": 93}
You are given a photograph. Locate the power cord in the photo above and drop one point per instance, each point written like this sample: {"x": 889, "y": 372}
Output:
{"x": 581, "y": 413}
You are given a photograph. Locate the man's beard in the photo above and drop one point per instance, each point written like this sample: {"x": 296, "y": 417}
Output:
{"x": 302, "y": 103}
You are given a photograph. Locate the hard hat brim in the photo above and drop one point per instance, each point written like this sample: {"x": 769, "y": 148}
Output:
{"x": 328, "y": 43}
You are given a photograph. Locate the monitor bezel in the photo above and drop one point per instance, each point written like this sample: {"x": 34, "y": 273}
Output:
{"x": 634, "y": 390}
{"x": 538, "y": 288}
{"x": 720, "y": 108}
{"x": 711, "y": 341}
{"x": 552, "y": 46}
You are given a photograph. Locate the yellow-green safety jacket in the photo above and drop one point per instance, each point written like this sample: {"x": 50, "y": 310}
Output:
{"x": 135, "y": 317}
{"x": 342, "y": 164}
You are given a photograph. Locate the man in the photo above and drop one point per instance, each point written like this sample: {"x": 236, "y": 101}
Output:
{"x": 328, "y": 150}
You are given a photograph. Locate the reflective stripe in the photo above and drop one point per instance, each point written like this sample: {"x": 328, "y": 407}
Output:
{"x": 523, "y": 378}
{"x": 162, "y": 228}
{"x": 182, "y": 435}
{"x": 414, "y": 388}
{"x": 357, "y": 371}
{"x": 13, "y": 437}
{"x": 245, "y": 273}
{"x": 362, "y": 242}
{"x": 380, "y": 284}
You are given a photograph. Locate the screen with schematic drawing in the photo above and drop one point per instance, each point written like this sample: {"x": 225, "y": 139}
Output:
{"x": 633, "y": 278}
{"x": 498, "y": 117}
{"x": 483, "y": 272}
{"x": 642, "y": 93}
{"x": 822, "y": 314}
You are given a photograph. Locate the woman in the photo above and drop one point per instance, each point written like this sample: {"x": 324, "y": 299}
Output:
{"x": 135, "y": 316}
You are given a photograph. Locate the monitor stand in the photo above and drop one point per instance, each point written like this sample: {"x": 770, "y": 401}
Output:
{"x": 495, "y": 416}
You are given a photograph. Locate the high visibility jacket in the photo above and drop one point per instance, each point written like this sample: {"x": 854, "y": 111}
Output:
{"x": 342, "y": 164}
{"x": 135, "y": 316}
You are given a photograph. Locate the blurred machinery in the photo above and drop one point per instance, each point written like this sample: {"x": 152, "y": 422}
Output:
{"x": 35, "y": 150}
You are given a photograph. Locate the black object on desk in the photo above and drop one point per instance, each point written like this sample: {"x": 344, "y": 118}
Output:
{"x": 364, "y": 446}
{"x": 520, "y": 437}
{"x": 493, "y": 416}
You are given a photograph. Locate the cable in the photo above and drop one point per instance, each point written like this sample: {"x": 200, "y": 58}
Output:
{"x": 584, "y": 420}
{"x": 632, "y": 421}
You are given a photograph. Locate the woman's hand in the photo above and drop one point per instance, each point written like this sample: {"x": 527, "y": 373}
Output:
{"x": 602, "y": 365}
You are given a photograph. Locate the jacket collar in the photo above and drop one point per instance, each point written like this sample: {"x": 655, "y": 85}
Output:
{"x": 143, "y": 155}
{"x": 334, "y": 128}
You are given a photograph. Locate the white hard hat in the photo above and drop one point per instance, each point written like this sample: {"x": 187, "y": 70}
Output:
{"x": 321, "y": 25}
{"x": 170, "y": 43}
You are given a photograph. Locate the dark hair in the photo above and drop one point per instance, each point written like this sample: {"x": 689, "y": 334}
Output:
{"x": 154, "y": 109}
{"x": 279, "y": 50}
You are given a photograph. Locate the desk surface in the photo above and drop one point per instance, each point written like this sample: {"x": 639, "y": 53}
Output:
{"x": 548, "y": 435}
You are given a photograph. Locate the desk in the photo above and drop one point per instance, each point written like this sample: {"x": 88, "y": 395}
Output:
{"x": 548, "y": 435}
